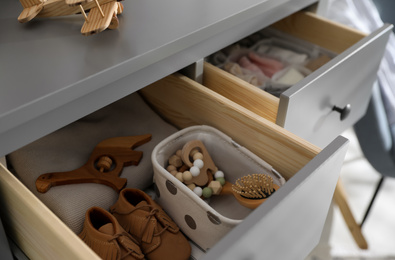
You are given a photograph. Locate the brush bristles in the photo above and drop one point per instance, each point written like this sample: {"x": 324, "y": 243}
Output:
{"x": 255, "y": 186}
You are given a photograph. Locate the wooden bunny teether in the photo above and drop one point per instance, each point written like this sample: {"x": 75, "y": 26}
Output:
{"x": 203, "y": 177}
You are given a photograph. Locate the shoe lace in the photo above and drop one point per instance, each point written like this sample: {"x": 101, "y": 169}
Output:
{"x": 151, "y": 214}
{"x": 129, "y": 251}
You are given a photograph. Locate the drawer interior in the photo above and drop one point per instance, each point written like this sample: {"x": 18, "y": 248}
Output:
{"x": 183, "y": 102}
{"x": 305, "y": 26}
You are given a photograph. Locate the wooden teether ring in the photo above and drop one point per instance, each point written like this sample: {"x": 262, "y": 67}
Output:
{"x": 202, "y": 179}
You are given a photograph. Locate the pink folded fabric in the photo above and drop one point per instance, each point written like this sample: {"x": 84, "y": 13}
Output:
{"x": 247, "y": 64}
{"x": 268, "y": 66}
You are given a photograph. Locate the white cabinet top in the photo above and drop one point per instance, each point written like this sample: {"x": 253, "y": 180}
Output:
{"x": 51, "y": 75}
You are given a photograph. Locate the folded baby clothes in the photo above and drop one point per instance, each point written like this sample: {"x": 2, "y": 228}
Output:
{"x": 271, "y": 60}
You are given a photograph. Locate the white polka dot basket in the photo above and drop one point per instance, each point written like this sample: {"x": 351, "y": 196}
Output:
{"x": 205, "y": 221}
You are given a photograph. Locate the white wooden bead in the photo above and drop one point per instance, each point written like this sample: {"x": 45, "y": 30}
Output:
{"x": 219, "y": 174}
{"x": 198, "y": 191}
{"x": 179, "y": 176}
{"x": 195, "y": 171}
{"x": 197, "y": 156}
{"x": 198, "y": 163}
{"x": 187, "y": 176}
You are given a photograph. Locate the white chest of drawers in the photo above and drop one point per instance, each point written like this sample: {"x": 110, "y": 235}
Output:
{"x": 50, "y": 76}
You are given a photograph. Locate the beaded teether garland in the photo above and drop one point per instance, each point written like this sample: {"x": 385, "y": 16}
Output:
{"x": 194, "y": 167}
{"x": 250, "y": 190}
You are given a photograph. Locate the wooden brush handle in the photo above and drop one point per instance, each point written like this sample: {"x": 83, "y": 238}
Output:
{"x": 227, "y": 189}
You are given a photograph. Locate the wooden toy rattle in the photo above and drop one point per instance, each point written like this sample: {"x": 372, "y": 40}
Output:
{"x": 104, "y": 165}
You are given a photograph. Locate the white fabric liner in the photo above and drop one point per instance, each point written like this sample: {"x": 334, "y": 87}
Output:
{"x": 70, "y": 147}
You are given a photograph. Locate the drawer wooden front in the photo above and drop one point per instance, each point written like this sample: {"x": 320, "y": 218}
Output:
{"x": 306, "y": 108}
{"x": 292, "y": 218}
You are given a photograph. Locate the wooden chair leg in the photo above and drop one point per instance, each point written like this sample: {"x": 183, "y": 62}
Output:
{"x": 355, "y": 229}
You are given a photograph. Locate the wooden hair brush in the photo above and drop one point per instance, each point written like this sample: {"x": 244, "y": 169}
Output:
{"x": 251, "y": 190}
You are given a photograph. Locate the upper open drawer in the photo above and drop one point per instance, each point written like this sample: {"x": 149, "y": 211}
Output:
{"x": 307, "y": 108}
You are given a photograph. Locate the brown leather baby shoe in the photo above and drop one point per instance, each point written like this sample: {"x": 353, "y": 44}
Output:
{"x": 107, "y": 238}
{"x": 143, "y": 218}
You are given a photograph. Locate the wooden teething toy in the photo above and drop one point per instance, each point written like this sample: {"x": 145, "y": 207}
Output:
{"x": 201, "y": 179}
{"x": 104, "y": 165}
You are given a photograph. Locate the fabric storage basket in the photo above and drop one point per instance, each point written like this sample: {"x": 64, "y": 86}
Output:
{"x": 205, "y": 221}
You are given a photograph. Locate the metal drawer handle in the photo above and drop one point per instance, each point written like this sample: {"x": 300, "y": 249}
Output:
{"x": 344, "y": 112}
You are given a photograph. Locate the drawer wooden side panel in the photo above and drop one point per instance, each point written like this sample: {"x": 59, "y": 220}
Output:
{"x": 320, "y": 31}
{"x": 185, "y": 102}
{"x": 241, "y": 92}
{"x": 33, "y": 227}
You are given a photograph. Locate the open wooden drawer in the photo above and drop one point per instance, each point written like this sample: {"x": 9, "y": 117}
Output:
{"x": 287, "y": 226}
{"x": 307, "y": 108}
